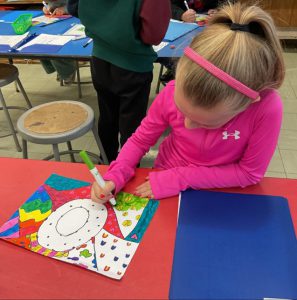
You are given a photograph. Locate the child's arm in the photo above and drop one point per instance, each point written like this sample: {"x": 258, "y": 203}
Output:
{"x": 249, "y": 170}
{"x": 155, "y": 17}
{"x": 146, "y": 135}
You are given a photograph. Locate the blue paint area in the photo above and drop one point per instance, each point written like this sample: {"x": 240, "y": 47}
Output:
{"x": 139, "y": 230}
{"x": 40, "y": 194}
{"x": 61, "y": 183}
{"x": 73, "y": 258}
{"x": 10, "y": 231}
{"x": 16, "y": 214}
{"x": 94, "y": 262}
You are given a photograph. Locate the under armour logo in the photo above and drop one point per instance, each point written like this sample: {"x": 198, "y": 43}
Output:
{"x": 235, "y": 135}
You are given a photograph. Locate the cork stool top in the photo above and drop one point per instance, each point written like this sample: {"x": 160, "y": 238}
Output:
{"x": 8, "y": 74}
{"x": 56, "y": 122}
{"x": 55, "y": 118}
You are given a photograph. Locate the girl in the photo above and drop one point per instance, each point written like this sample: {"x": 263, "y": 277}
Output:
{"x": 224, "y": 112}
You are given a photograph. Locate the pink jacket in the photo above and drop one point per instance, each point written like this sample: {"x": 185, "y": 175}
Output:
{"x": 237, "y": 154}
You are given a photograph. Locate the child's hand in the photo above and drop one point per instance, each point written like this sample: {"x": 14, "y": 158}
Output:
{"x": 59, "y": 11}
{"x": 46, "y": 11}
{"x": 189, "y": 16}
{"x": 102, "y": 195}
{"x": 144, "y": 190}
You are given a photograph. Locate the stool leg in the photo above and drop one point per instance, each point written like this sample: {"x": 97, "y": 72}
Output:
{"x": 78, "y": 80}
{"x": 56, "y": 152}
{"x": 159, "y": 81}
{"x": 10, "y": 124}
{"x": 99, "y": 144}
{"x": 10, "y": 60}
{"x": 24, "y": 93}
{"x": 25, "y": 149}
{"x": 70, "y": 149}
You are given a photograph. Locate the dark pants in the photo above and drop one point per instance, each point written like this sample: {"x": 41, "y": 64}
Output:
{"x": 122, "y": 97}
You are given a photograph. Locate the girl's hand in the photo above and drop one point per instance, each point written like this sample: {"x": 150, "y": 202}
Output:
{"x": 189, "y": 16}
{"x": 102, "y": 195}
{"x": 59, "y": 11}
{"x": 144, "y": 190}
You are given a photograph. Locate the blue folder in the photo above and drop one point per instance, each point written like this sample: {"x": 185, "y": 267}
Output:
{"x": 178, "y": 29}
{"x": 234, "y": 246}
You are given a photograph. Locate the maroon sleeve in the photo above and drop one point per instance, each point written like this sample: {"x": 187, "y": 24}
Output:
{"x": 155, "y": 16}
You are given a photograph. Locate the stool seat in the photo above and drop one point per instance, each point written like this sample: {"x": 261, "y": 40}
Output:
{"x": 58, "y": 122}
{"x": 49, "y": 135}
{"x": 8, "y": 74}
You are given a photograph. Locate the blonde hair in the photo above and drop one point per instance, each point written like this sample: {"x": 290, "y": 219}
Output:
{"x": 255, "y": 58}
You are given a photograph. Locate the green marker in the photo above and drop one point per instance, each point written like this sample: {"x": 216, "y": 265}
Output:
{"x": 83, "y": 154}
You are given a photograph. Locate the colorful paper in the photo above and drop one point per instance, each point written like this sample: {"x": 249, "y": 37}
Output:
{"x": 61, "y": 221}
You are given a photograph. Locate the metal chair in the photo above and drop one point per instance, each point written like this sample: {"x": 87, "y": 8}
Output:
{"x": 8, "y": 74}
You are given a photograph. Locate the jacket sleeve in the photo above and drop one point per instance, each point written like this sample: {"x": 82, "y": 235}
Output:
{"x": 72, "y": 7}
{"x": 152, "y": 126}
{"x": 249, "y": 170}
{"x": 155, "y": 17}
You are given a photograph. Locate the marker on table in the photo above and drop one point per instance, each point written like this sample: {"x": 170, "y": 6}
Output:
{"x": 87, "y": 43}
{"x": 186, "y": 5}
{"x": 83, "y": 154}
{"x": 46, "y": 6}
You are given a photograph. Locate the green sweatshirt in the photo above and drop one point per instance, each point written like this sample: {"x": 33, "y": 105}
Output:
{"x": 115, "y": 27}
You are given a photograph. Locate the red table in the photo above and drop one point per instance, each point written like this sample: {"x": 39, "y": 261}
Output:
{"x": 24, "y": 274}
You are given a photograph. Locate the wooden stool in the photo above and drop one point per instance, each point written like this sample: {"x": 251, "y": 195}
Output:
{"x": 59, "y": 122}
{"x": 9, "y": 74}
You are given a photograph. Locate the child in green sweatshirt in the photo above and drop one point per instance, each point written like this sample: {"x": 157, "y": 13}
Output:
{"x": 123, "y": 33}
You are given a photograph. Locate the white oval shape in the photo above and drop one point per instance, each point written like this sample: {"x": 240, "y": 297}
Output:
{"x": 72, "y": 221}
{"x": 66, "y": 227}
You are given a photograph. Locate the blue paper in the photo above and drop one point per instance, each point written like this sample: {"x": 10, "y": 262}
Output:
{"x": 178, "y": 29}
{"x": 4, "y": 48}
{"x": 38, "y": 48}
{"x": 234, "y": 246}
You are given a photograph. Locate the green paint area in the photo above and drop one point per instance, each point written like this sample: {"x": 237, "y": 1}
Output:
{"x": 127, "y": 201}
{"x": 139, "y": 230}
{"x": 85, "y": 253}
{"x": 37, "y": 204}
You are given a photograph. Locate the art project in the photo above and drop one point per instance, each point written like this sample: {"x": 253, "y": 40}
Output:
{"x": 61, "y": 221}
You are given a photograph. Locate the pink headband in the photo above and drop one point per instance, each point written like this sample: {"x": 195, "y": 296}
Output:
{"x": 223, "y": 76}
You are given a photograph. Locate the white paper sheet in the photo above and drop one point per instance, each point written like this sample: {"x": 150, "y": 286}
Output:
{"x": 160, "y": 46}
{"x": 44, "y": 19}
{"x": 12, "y": 40}
{"x": 48, "y": 39}
{"x": 77, "y": 30}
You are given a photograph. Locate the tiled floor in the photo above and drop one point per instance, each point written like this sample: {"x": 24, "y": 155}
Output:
{"x": 42, "y": 88}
